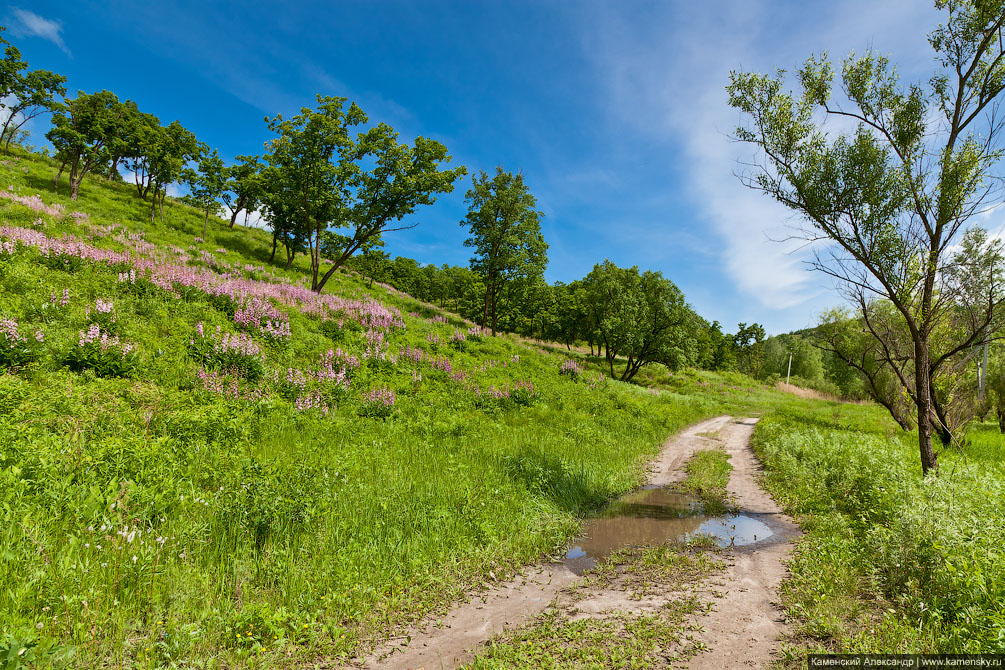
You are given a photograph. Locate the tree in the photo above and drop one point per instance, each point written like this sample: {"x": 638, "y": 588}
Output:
{"x": 25, "y": 95}
{"x": 126, "y": 143}
{"x": 373, "y": 263}
{"x": 642, "y": 317}
{"x": 207, "y": 185}
{"x": 717, "y": 350}
{"x": 749, "y": 342}
{"x": 280, "y": 207}
{"x": 840, "y": 333}
{"x": 82, "y": 129}
{"x": 167, "y": 152}
{"x": 506, "y": 235}
{"x": 886, "y": 201}
{"x": 143, "y": 133}
{"x": 11, "y": 67}
{"x": 361, "y": 185}
{"x": 243, "y": 190}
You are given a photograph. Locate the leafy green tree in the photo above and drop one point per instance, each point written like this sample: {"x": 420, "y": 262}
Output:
{"x": 243, "y": 192}
{"x": 506, "y": 235}
{"x": 717, "y": 351}
{"x": 207, "y": 184}
{"x": 807, "y": 361}
{"x": 373, "y": 263}
{"x": 361, "y": 185}
{"x": 571, "y": 314}
{"x": 125, "y": 143}
{"x": 12, "y": 67}
{"x": 642, "y": 317}
{"x": 82, "y": 129}
{"x": 143, "y": 132}
{"x": 749, "y": 342}
{"x": 24, "y": 94}
{"x": 172, "y": 148}
{"x": 888, "y": 199}
{"x": 844, "y": 335}
{"x": 280, "y": 213}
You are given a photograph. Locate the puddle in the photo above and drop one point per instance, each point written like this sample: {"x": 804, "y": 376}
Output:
{"x": 654, "y": 516}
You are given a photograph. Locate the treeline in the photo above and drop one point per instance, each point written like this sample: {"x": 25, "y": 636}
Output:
{"x": 626, "y": 316}
{"x": 331, "y": 184}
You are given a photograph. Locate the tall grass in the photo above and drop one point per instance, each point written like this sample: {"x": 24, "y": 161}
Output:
{"x": 891, "y": 561}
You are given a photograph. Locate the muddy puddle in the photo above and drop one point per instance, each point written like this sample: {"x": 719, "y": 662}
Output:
{"x": 656, "y": 515}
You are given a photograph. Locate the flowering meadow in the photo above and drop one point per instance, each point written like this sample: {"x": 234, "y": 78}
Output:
{"x": 205, "y": 464}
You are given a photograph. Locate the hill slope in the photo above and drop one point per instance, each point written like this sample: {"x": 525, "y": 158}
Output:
{"x": 200, "y": 458}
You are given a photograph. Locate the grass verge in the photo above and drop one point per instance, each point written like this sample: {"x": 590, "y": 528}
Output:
{"x": 890, "y": 562}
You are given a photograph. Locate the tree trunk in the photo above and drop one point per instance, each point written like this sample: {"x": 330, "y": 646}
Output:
{"x": 113, "y": 169}
{"x": 485, "y": 313}
{"x": 153, "y": 205}
{"x": 495, "y": 300}
{"x": 923, "y": 398}
{"x": 74, "y": 189}
{"x": 1001, "y": 419}
{"x": 941, "y": 422}
{"x": 275, "y": 243}
{"x": 233, "y": 217}
{"x": 163, "y": 195}
{"x": 55, "y": 182}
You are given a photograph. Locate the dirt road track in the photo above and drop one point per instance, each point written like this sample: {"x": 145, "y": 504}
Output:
{"x": 741, "y": 631}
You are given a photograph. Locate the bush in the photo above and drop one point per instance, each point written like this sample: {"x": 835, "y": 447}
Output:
{"x": 103, "y": 353}
{"x": 236, "y": 354}
{"x": 17, "y": 350}
{"x": 378, "y": 403}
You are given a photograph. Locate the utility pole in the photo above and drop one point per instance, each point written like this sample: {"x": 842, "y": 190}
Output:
{"x": 789, "y": 373}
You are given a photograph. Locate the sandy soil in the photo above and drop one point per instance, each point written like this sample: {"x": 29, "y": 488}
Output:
{"x": 448, "y": 642}
{"x": 801, "y": 392}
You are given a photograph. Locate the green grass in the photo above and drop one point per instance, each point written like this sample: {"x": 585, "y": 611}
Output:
{"x": 620, "y": 640}
{"x": 146, "y": 521}
{"x": 707, "y": 476}
{"x": 890, "y": 562}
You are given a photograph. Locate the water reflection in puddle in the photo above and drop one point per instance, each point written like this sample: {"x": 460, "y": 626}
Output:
{"x": 654, "y": 516}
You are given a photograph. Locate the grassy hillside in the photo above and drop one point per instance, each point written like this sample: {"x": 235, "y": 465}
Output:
{"x": 202, "y": 460}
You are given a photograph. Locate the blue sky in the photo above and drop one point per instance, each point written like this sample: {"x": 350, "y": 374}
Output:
{"x": 614, "y": 111}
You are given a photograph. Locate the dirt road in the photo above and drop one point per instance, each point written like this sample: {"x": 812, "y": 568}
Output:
{"x": 744, "y": 627}
{"x": 740, "y": 630}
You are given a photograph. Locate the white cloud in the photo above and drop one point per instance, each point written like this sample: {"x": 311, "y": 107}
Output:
{"x": 29, "y": 24}
{"x": 666, "y": 78}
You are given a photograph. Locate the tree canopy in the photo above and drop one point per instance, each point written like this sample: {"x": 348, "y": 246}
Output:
{"x": 885, "y": 201}
{"x": 506, "y": 235}
{"x": 343, "y": 190}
